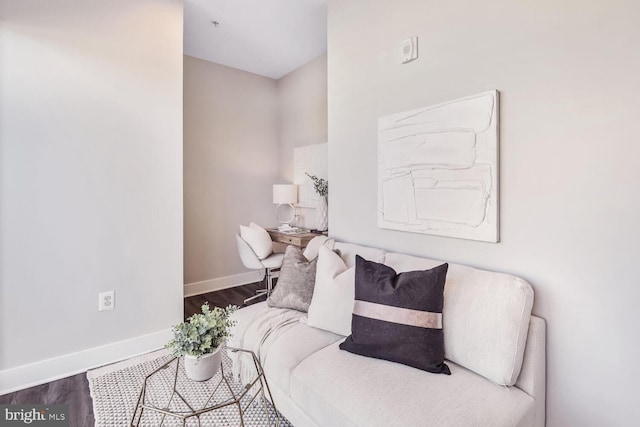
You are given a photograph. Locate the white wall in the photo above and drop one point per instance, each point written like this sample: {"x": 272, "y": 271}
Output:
{"x": 230, "y": 165}
{"x": 568, "y": 76}
{"x": 302, "y": 118}
{"x": 90, "y": 176}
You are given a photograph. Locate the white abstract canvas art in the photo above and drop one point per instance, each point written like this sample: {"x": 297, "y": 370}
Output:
{"x": 438, "y": 169}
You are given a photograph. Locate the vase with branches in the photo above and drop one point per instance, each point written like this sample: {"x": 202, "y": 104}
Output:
{"x": 321, "y": 186}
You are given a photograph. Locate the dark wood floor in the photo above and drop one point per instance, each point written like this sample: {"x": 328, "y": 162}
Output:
{"x": 223, "y": 298}
{"x": 74, "y": 390}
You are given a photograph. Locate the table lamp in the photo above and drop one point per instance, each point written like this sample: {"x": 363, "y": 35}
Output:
{"x": 285, "y": 195}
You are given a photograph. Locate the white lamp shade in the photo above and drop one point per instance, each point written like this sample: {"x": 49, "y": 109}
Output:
{"x": 285, "y": 193}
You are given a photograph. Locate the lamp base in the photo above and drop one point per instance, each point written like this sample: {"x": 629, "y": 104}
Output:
{"x": 283, "y": 216}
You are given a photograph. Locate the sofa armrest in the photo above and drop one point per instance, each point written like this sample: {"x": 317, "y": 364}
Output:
{"x": 532, "y": 379}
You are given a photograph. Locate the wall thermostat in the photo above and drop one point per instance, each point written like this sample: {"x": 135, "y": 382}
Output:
{"x": 409, "y": 50}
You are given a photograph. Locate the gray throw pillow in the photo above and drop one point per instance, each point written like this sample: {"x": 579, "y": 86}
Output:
{"x": 295, "y": 284}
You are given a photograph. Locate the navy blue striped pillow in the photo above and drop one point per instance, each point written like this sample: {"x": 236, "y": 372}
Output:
{"x": 398, "y": 317}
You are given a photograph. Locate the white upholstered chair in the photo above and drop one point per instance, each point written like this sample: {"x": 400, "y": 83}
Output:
{"x": 251, "y": 261}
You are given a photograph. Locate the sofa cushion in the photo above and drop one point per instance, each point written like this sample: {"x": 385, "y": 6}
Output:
{"x": 348, "y": 252}
{"x": 296, "y": 281}
{"x": 398, "y": 317}
{"x": 332, "y": 303}
{"x": 338, "y": 388}
{"x": 257, "y": 327}
{"x": 485, "y": 317}
{"x": 291, "y": 348}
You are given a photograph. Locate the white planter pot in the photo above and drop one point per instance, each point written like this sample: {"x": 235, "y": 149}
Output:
{"x": 322, "y": 214}
{"x": 203, "y": 368}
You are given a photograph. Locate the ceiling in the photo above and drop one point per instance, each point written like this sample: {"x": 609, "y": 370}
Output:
{"x": 266, "y": 37}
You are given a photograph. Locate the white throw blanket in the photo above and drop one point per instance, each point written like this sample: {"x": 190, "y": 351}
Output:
{"x": 259, "y": 328}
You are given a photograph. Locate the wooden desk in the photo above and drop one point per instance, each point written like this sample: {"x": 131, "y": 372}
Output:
{"x": 300, "y": 240}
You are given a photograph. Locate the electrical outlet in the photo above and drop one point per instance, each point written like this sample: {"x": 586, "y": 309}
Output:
{"x": 409, "y": 50}
{"x": 106, "y": 300}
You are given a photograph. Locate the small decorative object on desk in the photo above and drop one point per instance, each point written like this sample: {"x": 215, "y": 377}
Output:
{"x": 321, "y": 186}
{"x": 199, "y": 340}
{"x": 294, "y": 230}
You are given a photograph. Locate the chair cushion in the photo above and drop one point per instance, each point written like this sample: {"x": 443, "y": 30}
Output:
{"x": 274, "y": 260}
{"x": 295, "y": 283}
{"x": 332, "y": 303}
{"x": 485, "y": 317}
{"x": 258, "y": 238}
{"x": 330, "y": 384}
{"x": 398, "y": 317}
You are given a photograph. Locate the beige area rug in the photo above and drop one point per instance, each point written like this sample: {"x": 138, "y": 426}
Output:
{"x": 115, "y": 390}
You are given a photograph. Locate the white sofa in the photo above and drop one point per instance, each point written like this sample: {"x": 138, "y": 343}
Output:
{"x": 494, "y": 347}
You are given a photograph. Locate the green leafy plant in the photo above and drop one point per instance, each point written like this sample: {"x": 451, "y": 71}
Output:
{"x": 202, "y": 333}
{"x": 321, "y": 185}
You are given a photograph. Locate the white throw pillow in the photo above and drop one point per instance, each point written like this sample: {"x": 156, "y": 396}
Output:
{"x": 258, "y": 238}
{"x": 311, "y": 251}
{"x": 332, "y": 302}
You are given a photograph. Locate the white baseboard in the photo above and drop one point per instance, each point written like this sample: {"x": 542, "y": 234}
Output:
{"x": 220, "y": 283}
{"x": 47, "y": 370}
{"x": 44, "y": 371}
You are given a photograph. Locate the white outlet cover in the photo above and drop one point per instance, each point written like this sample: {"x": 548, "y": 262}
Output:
{"x": 106, "y": 300}
{"x": 409, "y": 50}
